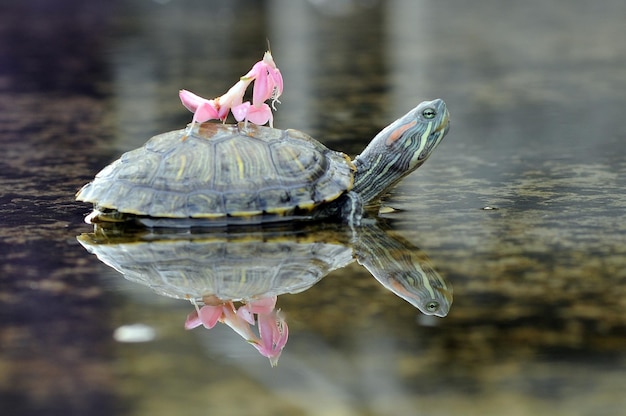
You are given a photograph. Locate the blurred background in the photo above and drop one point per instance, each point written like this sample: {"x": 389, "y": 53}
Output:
{"x": 521, "y": 209}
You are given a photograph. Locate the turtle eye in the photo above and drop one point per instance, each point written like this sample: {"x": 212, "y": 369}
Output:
{"x": 432, "y": 306}
{"x": 429, "y": 113}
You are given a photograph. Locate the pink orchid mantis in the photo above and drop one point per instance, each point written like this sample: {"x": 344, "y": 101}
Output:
{"x": 268, "y": 85}
{"x": 273, "y": 330}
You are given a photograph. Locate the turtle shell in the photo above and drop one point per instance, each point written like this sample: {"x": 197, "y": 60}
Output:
{"x": 221, "y": 170}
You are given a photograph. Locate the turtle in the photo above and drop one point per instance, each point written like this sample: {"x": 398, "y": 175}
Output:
{"x": 210, "y": 266}
{"x": 217, "y": 174}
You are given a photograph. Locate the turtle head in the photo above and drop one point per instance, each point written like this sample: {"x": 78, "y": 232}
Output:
{"x": 400, "y": 148}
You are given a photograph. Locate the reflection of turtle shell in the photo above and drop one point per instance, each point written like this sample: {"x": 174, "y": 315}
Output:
{"x": 223, "y": 266}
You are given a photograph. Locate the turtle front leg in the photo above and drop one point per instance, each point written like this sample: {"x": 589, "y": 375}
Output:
{"x": 351, "y": 209}
{"x": 348, "y": 209}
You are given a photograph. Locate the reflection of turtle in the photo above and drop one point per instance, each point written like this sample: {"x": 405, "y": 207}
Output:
{"x": 262, "y": 262}
{"x": 232, "y": 173}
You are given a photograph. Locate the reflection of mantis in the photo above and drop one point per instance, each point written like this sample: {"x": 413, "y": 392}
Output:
{"x": 215, "y": 268}
{"x": 273, "y": 331}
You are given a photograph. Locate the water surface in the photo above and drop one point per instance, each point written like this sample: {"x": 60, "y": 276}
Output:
{"x": 536, "y": 94}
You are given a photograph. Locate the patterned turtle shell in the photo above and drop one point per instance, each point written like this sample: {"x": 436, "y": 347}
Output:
{"x": 219, "y": 170}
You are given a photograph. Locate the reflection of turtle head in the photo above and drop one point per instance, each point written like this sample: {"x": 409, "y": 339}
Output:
{"x": 423, "y": 289}
{"x": 403, "y": 269}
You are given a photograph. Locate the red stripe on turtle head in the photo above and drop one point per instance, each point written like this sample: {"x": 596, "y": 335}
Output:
{"x": 398, "y": 132}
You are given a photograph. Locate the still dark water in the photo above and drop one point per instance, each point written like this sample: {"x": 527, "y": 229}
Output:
{"x": 537, "y": 92}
